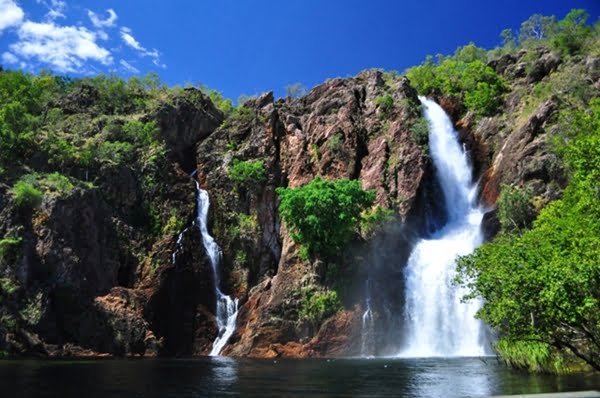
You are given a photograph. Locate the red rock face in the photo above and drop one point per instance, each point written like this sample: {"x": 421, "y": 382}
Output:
{"x": 336, "y": 131}
{"x": 102, "y": 284}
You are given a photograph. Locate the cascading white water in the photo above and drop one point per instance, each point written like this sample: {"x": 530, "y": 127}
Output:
{"x": 227, "y": 308}
{"x": 178, "y": 246}
{"x": 367, "y": 324}
{"x": 437, "y": 322}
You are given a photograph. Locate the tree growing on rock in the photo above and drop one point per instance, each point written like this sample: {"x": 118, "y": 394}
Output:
{"x": 324, "y": 216}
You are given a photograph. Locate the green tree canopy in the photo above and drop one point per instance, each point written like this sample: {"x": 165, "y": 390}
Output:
{"x": 542, "y": 286}
{"x": 324, "y": 215}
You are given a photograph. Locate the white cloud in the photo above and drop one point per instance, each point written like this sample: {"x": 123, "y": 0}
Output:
{"x": 56, "y": 8}
{"x": 65, "y": 48}
{"x": 128, "y": 67}
{"x": 10, "y": 14}
{"x": 130, "y": 41}
{"x": 103, "y": 23}
{"x": 9, "y": 58}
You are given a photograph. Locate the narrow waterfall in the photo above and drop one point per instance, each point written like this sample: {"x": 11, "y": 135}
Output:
{"x": 367, "y": 323}
{"x": 437, "y": 322}
{"x": 227, "y": 309}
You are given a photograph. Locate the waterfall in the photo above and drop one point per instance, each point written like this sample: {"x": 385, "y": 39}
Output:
{"x": 227, "y": 309}
{"x": 367, "y": 323}
{"x": 436, "y": 322}
{"x": 178, "y": 247}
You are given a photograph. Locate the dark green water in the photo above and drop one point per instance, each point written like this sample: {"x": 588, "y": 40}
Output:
{"x": 216, "y": 377}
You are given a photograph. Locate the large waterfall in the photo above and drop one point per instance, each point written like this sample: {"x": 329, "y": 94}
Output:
{"x": 437, "y": 322}
{"x": 226, "y": 312}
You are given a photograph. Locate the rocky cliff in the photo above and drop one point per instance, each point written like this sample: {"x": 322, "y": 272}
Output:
{"x": 115, "y": 265}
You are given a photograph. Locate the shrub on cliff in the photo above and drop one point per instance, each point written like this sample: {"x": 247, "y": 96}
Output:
{"x": 515, "y": 210}
{"x": 247, "y": 173}
{"x": 316, "y": 306}
{"x": 26, "y": 195}
{"x": 324, "y": 215}
{"x": 385, "y": 103}
{"x": 8, "y": 246}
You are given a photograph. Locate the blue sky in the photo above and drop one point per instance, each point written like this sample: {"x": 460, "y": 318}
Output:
{"x": 251, "y": 46}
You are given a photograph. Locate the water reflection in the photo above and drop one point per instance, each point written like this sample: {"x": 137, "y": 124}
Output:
{"x": 451, "y": 377}
{"x": 221, "y": 376}
{"x": 224, "y": 373}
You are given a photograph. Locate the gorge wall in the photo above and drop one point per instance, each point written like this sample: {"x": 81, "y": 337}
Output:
{"x": 88, "y": 277}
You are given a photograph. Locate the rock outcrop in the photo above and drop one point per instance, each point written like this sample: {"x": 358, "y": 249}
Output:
{"x": 116, "y": 266}
{"x": 337, "y": 131}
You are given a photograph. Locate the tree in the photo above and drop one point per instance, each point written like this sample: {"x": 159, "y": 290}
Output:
{"x": 508, "y": 39}
{"x": 470, "y": 53}
{"x": 247, "y": 173}
{"x": 572, "y": 32}
{"x": 324, "y": 215}
{"x": 515, "y": 211}
{"x": 542, "y": 286}
{"x": 295, "y": 90}
{"x": 465, "y": 75}
{"x": 536, "y": 29}
{"x": 20, "y": 106}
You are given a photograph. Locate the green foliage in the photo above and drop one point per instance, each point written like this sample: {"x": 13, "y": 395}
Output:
{"x": 26, "y": 194}
{"x": 385, "y": 103}
{"x": 420, "y": 131}
{"x": 117, "y": 96}
{"x": 7, "y": 322}
{"x": 567, "y": 36}
{"x": 324, "y": 215}
{"x": 509, "y": 42}
{"x": 425, "y": 77}
{"x": 174, "y": 223}
{"x": 243, "y": 115}
{"x": 8, "y": 286}
{"x": 231, "y": 146}
{"x": 316, "y": 306}
{"x": 573, "y": 32}
{"x": 531, "y": 356}
{"x": 30, "y": 188}
{"x": 114, "y": 151}
{"x": 295, "y": 90}
{"x": 57, "y": 182}
{"x": 241, "y": 258}
{"x": 8, "y": 247}
{"x": 248, "y": 223}
{"x": 247, "y": 173}
{"x": 375, "y": 219}
{"x": 61, "y": 153}
{"x": 536, "y": 29}
{"x": 245, "y": 228}
{"x": 21, "y": 100}
{"x": 543, "y": 285}
{"x": 225, "y": 105}
{"x": 484, "y": 99}
{"x": 151, "y": 219}
{"x": 335, "y": 142}
{"x": 145, "y": 133}
{"x": 464, "y": 76}
{"x": 470, "y": 53}
{"x": 515, "y": 210}
{"x": 243, "y": 98}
